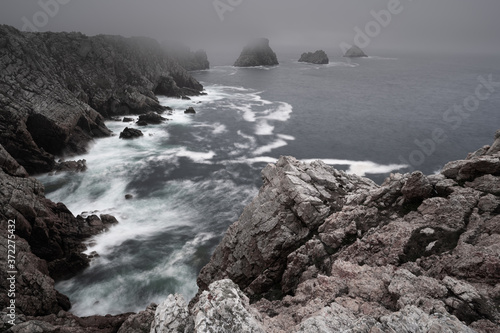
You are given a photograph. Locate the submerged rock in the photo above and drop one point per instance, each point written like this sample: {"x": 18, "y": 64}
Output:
{"x": 71, "y": 166}
{"x": 355, "y": 52}
{"x": 319, "y": 57}
{"x": 257, "y": 53}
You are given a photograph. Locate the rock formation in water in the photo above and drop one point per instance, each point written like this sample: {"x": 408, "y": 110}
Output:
{"x": 319, "y": 57}
{"x": 189, "y": 60}
{"x": 355, "y": 52}
{"x": 322, "y": 251}
{"x": 257, "y": 53}
{"x": 57, "y": 87}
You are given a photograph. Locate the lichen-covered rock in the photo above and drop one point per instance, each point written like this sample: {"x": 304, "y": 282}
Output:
{"x": 171, "y": 316}
{"x": 321, "y": 251}
{"x": 223, "y": 308}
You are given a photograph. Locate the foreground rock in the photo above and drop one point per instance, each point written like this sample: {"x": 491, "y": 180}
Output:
{"x": 257, "y": 53}
{"x": 319, "y": 57}
{"x": 322, "y": 251}
{"x": 59, "y": 87}
{"x": 355, "y": 52}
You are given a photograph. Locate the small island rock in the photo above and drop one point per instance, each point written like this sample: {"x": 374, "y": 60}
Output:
{"x": 319, "y": 57}
{"x": 355, "y": 52}
{"x": 257, "y": 53}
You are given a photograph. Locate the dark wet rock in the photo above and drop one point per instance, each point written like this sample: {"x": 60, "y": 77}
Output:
{"x": 319, "y": 57}
{"x": 129, "y": 196}
{"x": 151, "y": 118}
{"x": 257, "y": 53}
{"x": 355, "y": 52}
{"x": 127, "y": 119}
{"x": 190, "y": 110}
{"x": 142, "y": 123}
{"x": 49, "y": 241}
{"x": 130, "y": 133}
{"x": 185, "y": 98}
{"x": 71, "y": 166}
{"x": 60, "y": 86}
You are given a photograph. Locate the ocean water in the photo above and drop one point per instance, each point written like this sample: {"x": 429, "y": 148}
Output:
{"x": 192, "y": 176}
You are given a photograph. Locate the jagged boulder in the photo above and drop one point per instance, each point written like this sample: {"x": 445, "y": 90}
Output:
{"x": 319, "y": 57}
{"x": 257, "y": 53}
{"x": 151, "y": 118}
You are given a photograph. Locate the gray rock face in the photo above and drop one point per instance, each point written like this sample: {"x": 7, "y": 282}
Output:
{"x": 320, "y": 251}
{"x": 355, "y": 52}
{"x": 59, "y": 86}
{"x": 319, "y": 57}
{"x": 257, "y": 53}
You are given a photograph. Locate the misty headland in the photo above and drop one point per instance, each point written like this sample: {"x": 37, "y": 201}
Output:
{"x": 150, "y": 175}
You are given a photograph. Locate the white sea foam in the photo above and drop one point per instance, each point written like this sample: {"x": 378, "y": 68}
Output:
{"x": 361, "y": 168}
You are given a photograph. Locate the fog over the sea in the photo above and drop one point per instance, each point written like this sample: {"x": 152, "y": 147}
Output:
{"x": 441, "y": 26}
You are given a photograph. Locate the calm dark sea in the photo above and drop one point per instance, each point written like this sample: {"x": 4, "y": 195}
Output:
{"x": 192, "y": 176}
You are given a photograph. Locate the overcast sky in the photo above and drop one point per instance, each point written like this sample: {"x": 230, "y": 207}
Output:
{"x": 463, "y": 26}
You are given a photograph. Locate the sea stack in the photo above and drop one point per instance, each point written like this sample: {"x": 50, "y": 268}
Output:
{"x": 319, "y": 58}
{"x": 257, "y": 53}
{"x": 355, "y": 52}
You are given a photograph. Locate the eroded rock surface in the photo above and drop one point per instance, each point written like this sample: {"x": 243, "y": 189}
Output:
{"x": 257, "y": 53}
{"x": 322, "y": 251}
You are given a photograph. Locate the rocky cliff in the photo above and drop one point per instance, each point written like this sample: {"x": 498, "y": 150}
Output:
{"x": 189, "y": 60}
{"x": 355, "y": 52}
{"x": 319, "y": 57}
{"x": 257, "y": 53}
{"x": 322, "y": 251}
{"x": 56, "y": 88}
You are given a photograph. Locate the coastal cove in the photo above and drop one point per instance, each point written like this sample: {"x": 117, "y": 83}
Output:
{"x": 192, "y": 176}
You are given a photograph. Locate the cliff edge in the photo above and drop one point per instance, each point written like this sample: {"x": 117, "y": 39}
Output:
{"x": 57, "y": 88}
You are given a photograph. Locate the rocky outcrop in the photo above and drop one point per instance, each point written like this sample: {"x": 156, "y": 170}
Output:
{"x": 48, "y": 243}
{"x": 257, "y": 53}
{"x": 355, "y": 52}
{"x": 189, "y": 60}
{"x": 319, "y": 57}
{"x": 58, "y": 87}
{"x": 190, "y": 110}
{"x": 322, "y": 251}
